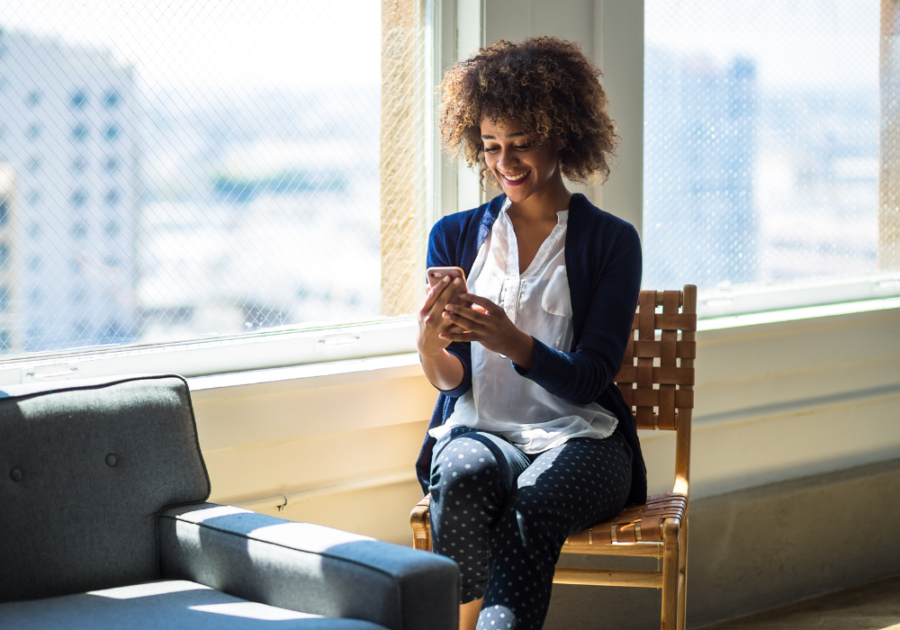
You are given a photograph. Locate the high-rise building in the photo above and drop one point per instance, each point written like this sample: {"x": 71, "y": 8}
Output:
{"x": 68, "y": 129}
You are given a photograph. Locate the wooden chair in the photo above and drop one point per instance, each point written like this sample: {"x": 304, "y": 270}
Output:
{"x": 657, "y": 381}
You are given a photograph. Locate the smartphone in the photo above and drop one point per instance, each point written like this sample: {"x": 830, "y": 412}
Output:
{"x": 436, "y": 274}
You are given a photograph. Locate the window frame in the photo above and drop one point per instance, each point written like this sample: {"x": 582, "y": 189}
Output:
{"x": 457, "y": 27}
{"x": 731, "y": 304}
{"x": 279, "y": 347}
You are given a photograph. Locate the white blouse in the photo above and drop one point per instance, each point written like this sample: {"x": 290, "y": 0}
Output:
{"x": 537, "y": 302}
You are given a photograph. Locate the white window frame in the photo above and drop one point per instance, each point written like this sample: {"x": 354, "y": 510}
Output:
{"x": 285, "y": 347}
{"x": 726, "y": 307}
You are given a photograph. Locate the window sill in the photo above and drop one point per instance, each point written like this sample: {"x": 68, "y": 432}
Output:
{"x": 231, "y": 359}
{"x": 298, "y": 377}
{"x": 290, "y": 360}
{"x": 726, "y": 302}
{"x": 404, "y": 365}
{"x": 785, "y": 318}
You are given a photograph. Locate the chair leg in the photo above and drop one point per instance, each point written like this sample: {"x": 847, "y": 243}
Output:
{"x": 682, "y": 574}
{"x": 419, "y": 520}
{"x": 671, "y": 534}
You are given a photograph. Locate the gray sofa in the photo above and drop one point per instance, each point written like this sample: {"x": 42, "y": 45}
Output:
{"x": 103, "y": 525}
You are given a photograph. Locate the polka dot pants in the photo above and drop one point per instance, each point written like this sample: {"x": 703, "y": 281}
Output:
{"x": 503, "y": 515}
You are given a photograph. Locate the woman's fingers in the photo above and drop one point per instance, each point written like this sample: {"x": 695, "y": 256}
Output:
{"x": 434, "y": 294}
{"x": 459, "y": 334}
{"x": 430, "y": 299}
{"x": 465, "y": 316}
{"x": 484, "y": 303}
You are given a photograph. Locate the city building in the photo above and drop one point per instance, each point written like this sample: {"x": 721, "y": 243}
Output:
{"x": 68, "y": 129}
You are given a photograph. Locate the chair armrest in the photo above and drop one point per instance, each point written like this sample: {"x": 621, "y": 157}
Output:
{"x": 308, "y": 568}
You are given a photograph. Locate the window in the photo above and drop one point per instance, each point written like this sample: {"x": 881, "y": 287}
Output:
{"x": 5, "y": 341}
{"x": 33, "y": 198}
{"x": 79, "y": 229}
{"x": 34, "y": 165}
{"x": 4, "y": 211}
{"x": 34, "y": 131}
{"x": 111, "y": 228}
{"x": 34, "y": 263}
{"x": 4, "y": 256}
{"x": 78, "y": 198}
{"x": 116, "y": 332}
{"x": 35, "y": 337}
{"x": 244, "y": 169}
{"x": 78, "y": 100}
{"x": 4, "y": 298}
{"x": 81, "y": 328}
{"x": 761, "y": 147}
{"x": 33, "y": 99}
{"x": 79, "y": 133}
{"x": 111, "y": 99}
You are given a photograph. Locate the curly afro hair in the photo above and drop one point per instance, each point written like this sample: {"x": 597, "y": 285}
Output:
{"x": 546, "y": 85}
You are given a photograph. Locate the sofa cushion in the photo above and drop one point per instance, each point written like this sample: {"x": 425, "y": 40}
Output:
{"x": 85, "y": 468}
{"x": 310, "y": 568}
{"x": 162, "y": 605}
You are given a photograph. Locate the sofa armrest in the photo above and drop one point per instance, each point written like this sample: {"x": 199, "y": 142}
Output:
{"x": 308, "y": 568}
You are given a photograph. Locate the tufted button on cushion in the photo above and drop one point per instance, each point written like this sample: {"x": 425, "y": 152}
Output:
{"x": 79, "y": 522}
{"x": 15, "y": 474}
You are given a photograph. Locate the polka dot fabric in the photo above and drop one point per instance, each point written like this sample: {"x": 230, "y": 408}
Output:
{"x": 503, "y": 516}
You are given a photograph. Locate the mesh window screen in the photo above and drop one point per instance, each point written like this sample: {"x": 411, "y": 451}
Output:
{"x": 761, "y": 143}
{"x": 180, "y": 170}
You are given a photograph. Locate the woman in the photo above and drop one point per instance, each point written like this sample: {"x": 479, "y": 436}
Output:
{"x": 530, "y": 440}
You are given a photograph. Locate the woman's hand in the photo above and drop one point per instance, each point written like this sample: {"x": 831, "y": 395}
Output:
{"x": 479, "y": 319}
{"x": 431, "y": 324}
{"x": 443, "y": 370}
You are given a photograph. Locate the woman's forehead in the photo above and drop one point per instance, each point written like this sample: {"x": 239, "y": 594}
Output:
{"x": 502, "y": 128}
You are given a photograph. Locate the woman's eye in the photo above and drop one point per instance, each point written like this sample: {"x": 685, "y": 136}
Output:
{"x": 523, "y": 147}
{"x": 490, "y": 149}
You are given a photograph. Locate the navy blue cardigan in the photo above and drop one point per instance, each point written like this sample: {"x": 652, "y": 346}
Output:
{"x": 603, "y": 264}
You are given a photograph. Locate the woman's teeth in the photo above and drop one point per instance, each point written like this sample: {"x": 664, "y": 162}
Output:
{"x": 515, "y": 178}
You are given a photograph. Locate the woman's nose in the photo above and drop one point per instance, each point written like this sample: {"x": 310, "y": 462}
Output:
{"x": 507, "y": 159}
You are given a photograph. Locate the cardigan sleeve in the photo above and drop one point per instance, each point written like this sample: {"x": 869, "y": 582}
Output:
{"x": 441, "y": 252}
{"x": 582, "y": 375}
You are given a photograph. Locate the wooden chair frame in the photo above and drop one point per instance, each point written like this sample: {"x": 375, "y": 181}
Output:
{"x": 657, "y": 381}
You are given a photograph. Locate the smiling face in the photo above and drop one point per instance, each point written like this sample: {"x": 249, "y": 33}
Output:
{"x": 523, "y": 167}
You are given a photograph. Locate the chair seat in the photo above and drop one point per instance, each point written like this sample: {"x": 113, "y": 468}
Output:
{"x": 636, "y": 523}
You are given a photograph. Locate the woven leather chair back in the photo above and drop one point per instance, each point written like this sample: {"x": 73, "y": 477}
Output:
{"x": 657, "y": 375}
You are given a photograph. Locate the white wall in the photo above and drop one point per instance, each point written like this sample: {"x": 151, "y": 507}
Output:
{"x": 774, "y": 402}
